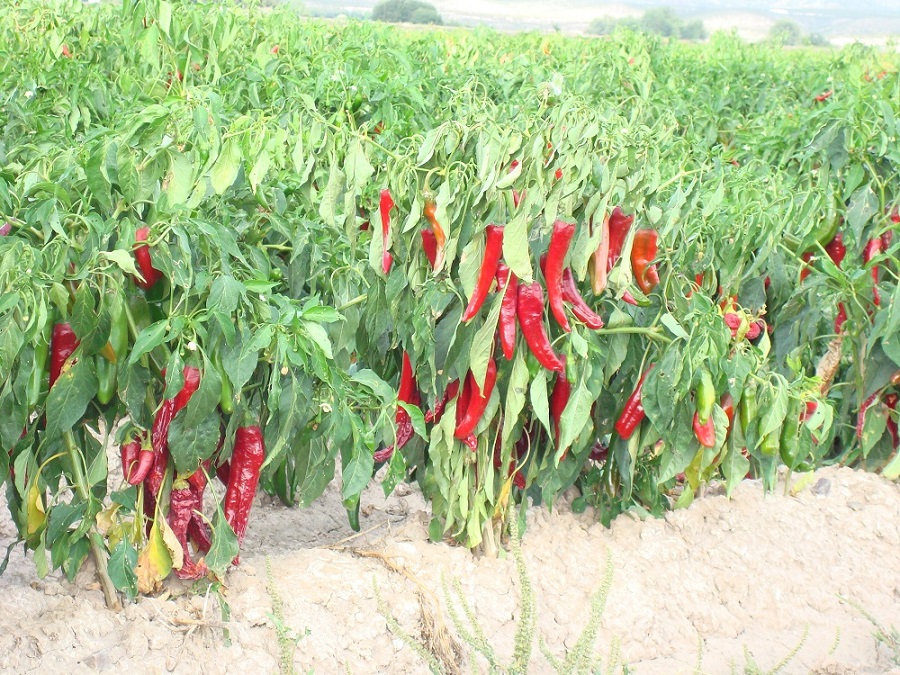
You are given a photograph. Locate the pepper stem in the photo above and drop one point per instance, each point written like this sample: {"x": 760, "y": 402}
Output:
{"x": 97, "y": 548}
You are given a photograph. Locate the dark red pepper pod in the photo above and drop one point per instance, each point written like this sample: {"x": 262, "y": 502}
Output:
{"x": 63, "y": 344}
{"x": 144, "y": 261}
{"x": 840, "y": 318}
{"x": 559, "y": 398}
{"x": 705, "y": 432}
{"x": 429, "y": 245}
{"x": 633, "y": 412}
{"x": 506, "y": 326}
{"x": 493, "y": 249}
{"x": 434, "y": 416}
{"x": 407, "y": 392}
{"x": 137, "y": 459}
{"x": 560, "y": 239}
{"x": 836, "y": 249}
{"x": 478, "y": 403}
{"x": 872, "y": 249}
{"x": 619, "y": 226}
{"x": 246, "y": 462}
{"x": 580, "y": 308}
{"x": 530, "y": 310}
{"x": 385, "y": 204}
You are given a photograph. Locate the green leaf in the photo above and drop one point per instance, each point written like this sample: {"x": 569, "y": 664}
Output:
{"x": 539, "y": 402}
{"x": 483, "y": 343}
{"x": 320, "y": 337}
{"x": 124, "y": 259}
{"x": 148, "y": 339}
{"x": 122, "y": 562}
{"x": 515, "y": 246}
{"x": 224, "y": 294}
{"x": 224, "y": 547}
{"x": 191, "y": 444}
{"x": 69, "y": 397}
{"x": 356, "y": 474}
{"x": 370, "y": 380}
{"x": 576, "y": 414}
{"x": 417, "y": 417}
{"x": 515, "y": 398}
{"x": 225, "y": 170}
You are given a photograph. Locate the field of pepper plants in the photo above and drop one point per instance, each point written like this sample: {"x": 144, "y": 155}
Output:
{"x": 243, "y": 248}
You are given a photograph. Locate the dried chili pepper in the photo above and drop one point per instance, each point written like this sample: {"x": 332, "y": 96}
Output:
{"x": 705, "y": 432}
{"x": 477, "y": 405}
{"x": 493, "y": 248}
{"x": 198, "y": 530}
{"x": 560, "y": 239}
{"x": 246, "y": 461}
{"x": 619, "y": 226}
{"x": 872, "y": 249}
{"x": 643, "y": 251}
{"x": 530, "y": 310}
{"x": 182, "y": 503}
{"x": 861, "y": 415}
{"x": 559, "y": 398}
{"x": 63, "y": 344}
{"x": 440, "y": 236}
{"x": 633, "y": 412}
{"x": 385, "y": 205}
{"x": 438, "y": 412}
{"x": 890, "y": 401}
{"x": 599, "y": 259}
{"x": 150, "y": 274}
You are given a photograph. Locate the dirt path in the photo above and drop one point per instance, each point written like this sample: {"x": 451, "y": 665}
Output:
{"x": 755, "y": 573}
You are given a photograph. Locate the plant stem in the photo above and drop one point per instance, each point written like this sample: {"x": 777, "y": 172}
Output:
{"x": 97, "y": 547}
{"x": 355, "y": 301}
{"x": 652, "y": 333}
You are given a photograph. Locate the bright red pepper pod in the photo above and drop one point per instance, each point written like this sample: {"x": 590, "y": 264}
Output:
{"x": 629, "y": 298}
{"x": 530, "y": 311}
{"x": 493, "y": 249}
{"x": 559, "y": 398}
{"x": 429, "y": 245}
{"x": 385, "y": 204}
{"x": 580, "y": 308}
{"x": 506, "y": 327}
{"x": 144, "y": 261}
{"x": 705, "y": 432}
{"x": 872, "y": 249}
{"x": 727, "y": 404}
{"x": 836, "y": 249}
{"x": 840, "y": 318}
{"x": 733, "y": 321}
{"x": 619, "y": 226}
{"x": 63, "y": 344}
{"x": 633, "y": 413}
{"x": 560, "y": 239}
{"x": 477, "y": 404}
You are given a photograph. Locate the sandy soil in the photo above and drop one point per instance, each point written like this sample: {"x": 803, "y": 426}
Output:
{"x": 719, "y": 578}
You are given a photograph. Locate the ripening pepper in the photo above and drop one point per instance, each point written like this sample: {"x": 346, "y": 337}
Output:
{"x": 493, "y": 249}
{"x": 872, "y": 249}
{"x": 599, "y": 259}
{"x": 643, "y": 251}
{"x": 429, "y": 245}
{"x": 440, "y": 238}
{"x": 246, "y": 462}
{"x": 706, "y": 396}
{"x": 63, "y": 344}
{"x": 705, "y": 432}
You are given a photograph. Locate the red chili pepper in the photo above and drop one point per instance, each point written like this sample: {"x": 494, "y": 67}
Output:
{"x": 246, "y": 461}
{"x": 705, "y": 432}
{"x": 530, "y": 310}
{"x": 643, "y": 251}
{"x": 560, "y": 239}
{"x": 507, "y": 323}
{"x": 438, "y": 412}
{"x": 840, "y": 318}
{"x": 144, "y": 261}
{"x": 439, "y": 236}
{"x": 809, "y": 410}
{"x": 559, "y": 398}
{"x": 385, "y": 205}
{"x": 63, "y": 344}
{"x": 619, "y": 225}
{"x": 159, "y": 435}
{"x": 633, "y": 412}
{"x": 493, "y": 248}
{"x": 755, "y": 329}
{"x": 462, "y": 401}
{"x": 580, "y": 308}
{"x": 599, "y": 260}
{"x": 872, "y": 249}
{"x": 66, "y": 52}
{"x": 836, "y": 249}
{"x": 558, "y": 174}
{"x": 182, "y": 504}
{"x": 806, "y": 269}
{"x": 477, "y": 405}
{"x": 733, "y": 321}
{"x": 824, "y": 96}
{"x": 891, "y": 402}
{"x": 137, "y": 458}
{"x": 861, "y": 415}
{"x": 629, "y": 298}
{"x": 727, "y": 404}
{"x": 407, "y": 392}
{"x": 429, "y": 245}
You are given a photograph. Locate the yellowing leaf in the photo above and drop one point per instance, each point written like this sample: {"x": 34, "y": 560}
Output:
{"x": 154, "y": 560}
{"x": 37, "y": 517}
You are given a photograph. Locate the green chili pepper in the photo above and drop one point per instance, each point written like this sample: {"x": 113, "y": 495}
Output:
{"x": 706, "y": 396}
{"x": 39, "y": 370}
